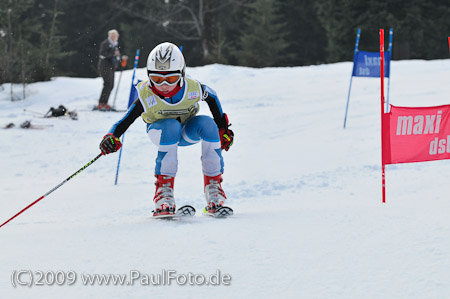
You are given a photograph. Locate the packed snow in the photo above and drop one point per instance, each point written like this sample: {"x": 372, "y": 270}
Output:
{"x": 308, "y": 223}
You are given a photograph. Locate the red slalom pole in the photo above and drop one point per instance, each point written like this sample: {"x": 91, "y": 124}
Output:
{"x": 62, "y": 183}
{"x": 383, "y": 167}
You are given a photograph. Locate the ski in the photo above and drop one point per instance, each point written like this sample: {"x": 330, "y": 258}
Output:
{"x": 184, "y": 211}
{"x": 54, "y": 113}
{"x": 27, "y": 125}
{"x": 221, "y": 212}
{"x": 9, "y": 126}
{"x": 95, "y": 108}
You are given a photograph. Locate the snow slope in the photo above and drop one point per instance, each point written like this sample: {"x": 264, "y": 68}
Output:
{"x": 309, "y": 222}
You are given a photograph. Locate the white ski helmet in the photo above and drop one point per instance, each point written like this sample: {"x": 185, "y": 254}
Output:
{"x": 166, "y": 57}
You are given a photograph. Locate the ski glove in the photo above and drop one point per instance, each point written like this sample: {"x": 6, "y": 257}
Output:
{"x": 226, "y": 135}
{"x": 110, "y": 144}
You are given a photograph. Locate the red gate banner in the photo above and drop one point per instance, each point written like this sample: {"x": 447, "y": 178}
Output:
{"x": 416, "y": 134}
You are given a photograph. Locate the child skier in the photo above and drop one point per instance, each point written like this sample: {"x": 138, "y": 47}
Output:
{"x": 169, "y": 102}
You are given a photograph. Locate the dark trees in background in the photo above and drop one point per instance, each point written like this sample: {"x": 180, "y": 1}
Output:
{"x": 263, "y": 40}
{"x": 30, "y": 42}
{"x": 40, "y": 39}
{"x": 421, "y": 27}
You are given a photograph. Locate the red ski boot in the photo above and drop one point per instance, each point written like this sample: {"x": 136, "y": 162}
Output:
{"x": 164, "y": 201}
{"x": 215, "y": 196}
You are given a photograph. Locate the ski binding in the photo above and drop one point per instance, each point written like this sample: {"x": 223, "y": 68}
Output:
{"x": 184, "y": 211}
{"x": 221, "y": 212}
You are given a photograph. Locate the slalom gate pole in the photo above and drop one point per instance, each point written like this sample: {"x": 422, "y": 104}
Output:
{"x": 355, "y": 56}
{"x": 383, "y": 167}
{"x": 62, "y": 183}
{"x": 130, "y": 101}
{"x": 391, "y": 33}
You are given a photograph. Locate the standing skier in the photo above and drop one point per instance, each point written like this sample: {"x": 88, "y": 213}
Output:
{"x": 169, "y": 102}
{"x": 109, "y": 58}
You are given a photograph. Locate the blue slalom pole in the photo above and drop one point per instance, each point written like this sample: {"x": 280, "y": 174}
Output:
{"x": 130, "y": 101}
{"x": 391, "y": 33}
{"x": 355, "y": 56}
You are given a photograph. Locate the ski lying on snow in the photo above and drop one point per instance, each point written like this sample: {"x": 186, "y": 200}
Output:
{"x": 27, "y": 125}
{"x": 68, "y": 114}
{"x": 95, "y": 108}
{"x": 182, "y": 212}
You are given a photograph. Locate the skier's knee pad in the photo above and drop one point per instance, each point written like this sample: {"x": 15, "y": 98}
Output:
{"x": 201, "y": 127}
{"x": 164, "y": 132}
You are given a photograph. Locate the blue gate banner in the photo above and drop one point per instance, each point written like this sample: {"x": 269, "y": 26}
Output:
{"x": 367, "y": 64}
{"x": 133, "y": 94}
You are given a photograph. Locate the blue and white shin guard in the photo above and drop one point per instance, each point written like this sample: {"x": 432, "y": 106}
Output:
{"x": 165, "y": 134}
{"x": 168, "y": 134}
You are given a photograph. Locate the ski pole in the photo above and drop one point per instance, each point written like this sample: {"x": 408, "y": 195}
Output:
{"x": 117, "y": 90}
{"x": 62, "y": 183}
{"x": 122, "y": 64}
{"x": 34, "y": 112}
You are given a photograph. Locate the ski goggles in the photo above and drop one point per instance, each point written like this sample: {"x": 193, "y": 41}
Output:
{"x": 169, "y": 79}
